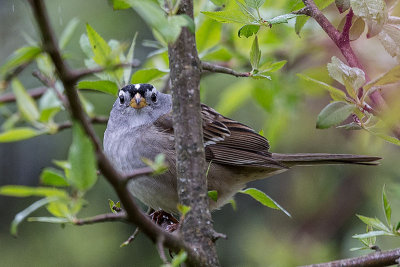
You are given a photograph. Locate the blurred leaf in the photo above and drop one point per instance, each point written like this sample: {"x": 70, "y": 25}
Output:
{"x": 258, "y": 76}
{"x": 263, "y": 199}
{"x": 386, "y": 206}
{"x": 147, "y": 75}
{"x": 129, "y": 58}
{"x": 208, "y": 34}
{"x": 218, "y": 54}
{"x": 374, "y": 13}
{"x": 26, "y": 212}
{"x": 213, "y": 194}
{"x": 390, "y": 39}
{"x": 374, "y": 222}
{"x": 59, "y": 209}
{"x": 372, "y": 234}
{"x": 351, "y": 126}
{"x": 282, "y": 18}
{"x": 342, "y": 5}
{"x": 19, "y": 57}
{"x": 386, "y": 137}
{"x": 248, "y": 30}
{"x": 359, "y": 248}
{"x": 300, "y": 22}
{"x": 351, "y": 78}
{"x": 85, "y": 46}
{"x": 392, "y": 76}
{"x": 104, "y": 86}
{"x": 333, "y": 114}
{"x": 183, "y": 210}
{"x": 232, "y": 13}
{"x": 27, "y": 191}
{"x": 26, "y": 104}
{"x": 234, "y": 96}
{"x": 264, "y": 97}
{"x": 49, "y": 106}
{"x": 87, "y": 106}
{"x": 233, "y": 204}
{"x": 112, "y": 205}
{"x": 158, "y": 165}
{"x": 356, "y": 29}
{"x": 272, "y": 66}
{"x": 178, "y": 259}
{"x": 45, "y": 65}
{"x": 254, "y": 3}
{"x": 255, "y": 54}
{"x": 69, "y": 30}
{"x": 120, "y": 4}
{"x": 48, "y": 219}
{"x": 83, "y": 163}
{"x": 335, "y": 93}
{"x": 18, "y": 134}
{"x": 219, "y": 2}
{"x": 53, "y": 177}
{"x": 101, "y": 50}
{"x": 65, "y": 165}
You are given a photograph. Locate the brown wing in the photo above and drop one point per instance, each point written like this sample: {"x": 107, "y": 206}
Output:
{"x": 229, "y": 142}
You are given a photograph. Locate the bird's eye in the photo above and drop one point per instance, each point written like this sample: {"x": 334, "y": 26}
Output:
{"x": 154, "y": 97}
{"x": 121, "y": 99}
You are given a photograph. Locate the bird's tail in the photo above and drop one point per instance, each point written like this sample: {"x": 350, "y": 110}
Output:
{"x": 321, "y": 158}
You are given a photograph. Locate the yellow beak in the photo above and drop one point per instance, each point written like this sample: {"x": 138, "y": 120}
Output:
{"x": 138, "y": 101}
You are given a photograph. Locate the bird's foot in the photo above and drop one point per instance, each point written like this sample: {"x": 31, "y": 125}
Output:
{"x": 165, "y": 220}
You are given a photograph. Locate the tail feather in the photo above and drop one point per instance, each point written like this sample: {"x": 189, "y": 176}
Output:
{"x": 321, "y": 158}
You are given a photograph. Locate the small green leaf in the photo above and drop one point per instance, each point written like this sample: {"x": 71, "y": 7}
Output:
{"x": 120, "y": 4}
{"x": 372, "y": 234}
{"x": 60, "y": 209}
{"x": 104, "y": 86}
{"x": 158, "y": 165}
{"x": 263, "y": 199}
{"x": 19, "y": 57}
{"x": 282, "y": 19}
{"x": 53, "y": 177}
{"x": 333, "y": 114}
{"x": 26, "y": 212}
{"x": 255, "y": 54}
{"x": 101, "y": 50}
{"x": 259, "y": 76}
{"x": 254, "y": 3}
{"x": 18, "y": 134}
{"x": 177, "y": 260}
{"x": 386, "y": 206}
{"x": 27, "y": 191}
{"x": 213, "y": 194}
{"x": 26, "y": 105}
{"x": 386, "y": 137}
{"x": 234, "y": 12}
{"x": 374, "y": 12}
{"x": 112, "y": 204}
{"x": 68, "y": 32}
{"x": 49, "y": 219}
{"x": 374, "y": 222}
{"x": 272, "y": 66}
{"x": 83, "y": 163}
{"x": 183, "y": 209}
{"x": 147, "y": 75}
{"x": 336, "y": 94}
{"x": 248, "y": 30}
{"x": 300, "y": 22}
{"x": 49, "y": 106}
{"x": 129, "y": 59}
{"x": 392, "y": 76}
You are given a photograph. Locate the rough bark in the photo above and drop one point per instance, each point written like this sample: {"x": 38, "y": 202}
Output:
{"x": 185, "y": 70}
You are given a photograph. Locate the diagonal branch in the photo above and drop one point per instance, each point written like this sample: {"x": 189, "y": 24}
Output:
{"x": 216, "y": 68}
{"x": 108, "y": 217}
{"x": 68, "y": 79}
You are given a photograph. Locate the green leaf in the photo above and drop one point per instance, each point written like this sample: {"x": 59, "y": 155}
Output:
{"x": 26, "y": 212}
{"x": 248, "y": 30}
{"x": 385, "y": 137}
{"x": 49, "y": 219}
{"x": 232, "y": 13}
{"x": 68, "y": 32}
{"x": 390, "y": 39}
{"x": 177, "y": 259}
{"x": 272, "y": 66}
{"x": 374, "y": 222}
{"x": 258, "y": 76}
{"x": 255, "y": 54}
{"x": 129, "y": 58}
{"x": 352, "y": 78}
{"x": 19, "y": 57}
{"x": 183, "y": 209}
{"x": 104, "y": 86}
{"x": 101, "y": 50}
{"x": 374, "y": 12}
{"x": 53, "y": 177}
{"x": 59, "y": 209}
{"x": 147, "y": 75}
{"x": 282, "y": 19}
{"x": 213, "y": 194}
{"x": 18, "y": 134}
{"x": 234, "y": 96}
{"x": 342, "y": 5}
{"x": 120, "y": 4}
{"x": 386, "y": 206}
{"x": 208, "y": 34}
{"x": 49, "y": 106}
{"x": 112, "y": 205}
{"x": 300, "y": 22}
{"x": 83, "y": 163}
{"x": 372, "y": 234}
{"x": 26, "y": 105}
{"x": 392, "y": 76}
{"x": 335, "y": 93}
{"x": 27, "y": 191}
{"x": 254, "y": 3}
{"x": 158, "y": 165}
{"x": 263, "y": 199}
{"x": 333, "y": 114}
{"x": 45, "y": 65}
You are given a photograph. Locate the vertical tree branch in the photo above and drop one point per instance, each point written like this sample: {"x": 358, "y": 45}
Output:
{"x": 185, "y": 70}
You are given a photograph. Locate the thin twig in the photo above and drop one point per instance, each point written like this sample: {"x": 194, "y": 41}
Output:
{"x": 108, "y": 217}
{"x": 216, "y": 68}
{"x": 96, "y": 120}
{"x": 34, "y": 93}
{"x": 385, "y": 258}
{"x": 131, "y": 238}
{"x": 50, "y": 83}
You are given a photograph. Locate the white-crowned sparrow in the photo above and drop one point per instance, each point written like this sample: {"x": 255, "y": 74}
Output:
{"x": 140, "y": 125}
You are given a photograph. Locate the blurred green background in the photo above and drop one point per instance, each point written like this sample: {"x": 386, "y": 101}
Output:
{"x": 323, "y": 200}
